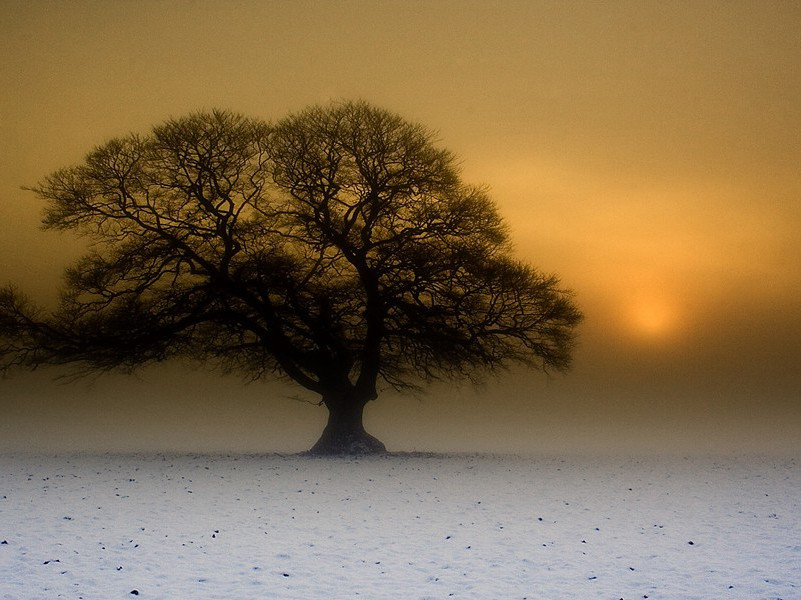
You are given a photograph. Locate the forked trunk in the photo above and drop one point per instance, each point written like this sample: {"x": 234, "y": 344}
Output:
{"x": 344, "y": 434}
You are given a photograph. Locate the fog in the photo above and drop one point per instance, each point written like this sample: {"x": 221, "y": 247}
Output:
{"x": 175, "y": 409}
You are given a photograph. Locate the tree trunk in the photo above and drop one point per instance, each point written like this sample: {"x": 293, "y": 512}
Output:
{"x": 344, "y": 434}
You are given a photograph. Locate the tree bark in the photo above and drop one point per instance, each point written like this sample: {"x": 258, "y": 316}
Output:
{"x": 345, "y": 434}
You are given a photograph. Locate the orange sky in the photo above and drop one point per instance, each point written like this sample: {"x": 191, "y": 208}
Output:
{"x": 648, "y": 152}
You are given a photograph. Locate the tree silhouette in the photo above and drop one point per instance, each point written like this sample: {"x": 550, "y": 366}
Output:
{"x": 337, "y": 248}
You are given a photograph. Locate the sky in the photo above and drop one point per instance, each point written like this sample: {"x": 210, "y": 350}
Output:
{"x": 647, "y": 152}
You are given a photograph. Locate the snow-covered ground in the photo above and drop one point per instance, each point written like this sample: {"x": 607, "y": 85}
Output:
{"x": 495, "y": 527}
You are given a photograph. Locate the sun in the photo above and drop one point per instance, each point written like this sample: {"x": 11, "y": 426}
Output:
{"x": 653, "y": 319}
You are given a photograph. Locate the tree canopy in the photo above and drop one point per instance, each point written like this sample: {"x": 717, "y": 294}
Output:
{"x": 338, "y": 248}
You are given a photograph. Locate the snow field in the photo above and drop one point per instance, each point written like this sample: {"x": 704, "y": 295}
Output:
{"x": 401, "y": 526}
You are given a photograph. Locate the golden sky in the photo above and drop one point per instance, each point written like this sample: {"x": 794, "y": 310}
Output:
{"x": 648, "y": 152}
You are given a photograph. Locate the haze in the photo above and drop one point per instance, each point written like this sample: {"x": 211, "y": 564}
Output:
{"x": 647, "y": 152}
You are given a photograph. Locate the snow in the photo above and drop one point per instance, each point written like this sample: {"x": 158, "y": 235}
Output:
{"x": 401, "y": 526}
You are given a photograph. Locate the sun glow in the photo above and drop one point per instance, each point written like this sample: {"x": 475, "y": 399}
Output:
{"x": 653, "y": 319}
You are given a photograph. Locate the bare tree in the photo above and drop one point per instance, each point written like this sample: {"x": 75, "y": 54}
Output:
{"x": 338, "y": 248}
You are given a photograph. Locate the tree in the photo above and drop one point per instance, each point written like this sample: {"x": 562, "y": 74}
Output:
{"x": 337, "y": 248}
